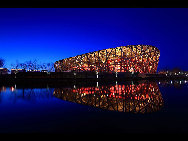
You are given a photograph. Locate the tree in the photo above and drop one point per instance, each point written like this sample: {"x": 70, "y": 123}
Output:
{"x": 43, "y": 66}
{"x": 23, "y": 66}
{"x": 52, "y": 69}
{"x": 30, "y": 65}
{"x": 17, "y": 64}
{"x": 176, "y": 69}
{"x": 33, "y": 65}
{"x": 2, "y": 62}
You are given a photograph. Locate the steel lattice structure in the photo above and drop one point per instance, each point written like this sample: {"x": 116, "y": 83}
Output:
{"x": 131, "y": 58}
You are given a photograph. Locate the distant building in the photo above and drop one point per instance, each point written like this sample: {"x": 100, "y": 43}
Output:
{"x": 3, "y": 71}
{"x": 44, "y": 70}
{"x": 33, "y": 71}
{"x": 173, "y": 72}
{"x": 13, "y": 71}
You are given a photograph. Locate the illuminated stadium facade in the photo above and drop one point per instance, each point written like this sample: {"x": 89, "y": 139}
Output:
{"x": 131, "y": 58}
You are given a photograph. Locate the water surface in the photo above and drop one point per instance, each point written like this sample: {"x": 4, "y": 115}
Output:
{"x": 126, "y": 107}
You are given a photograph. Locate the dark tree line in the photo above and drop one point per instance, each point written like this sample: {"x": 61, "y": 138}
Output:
{"x": 2, "y": 62}
{"x": 33, "y": 65}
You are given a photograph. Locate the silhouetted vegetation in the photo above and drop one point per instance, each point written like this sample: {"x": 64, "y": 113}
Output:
{"x": 175, "y": 69}
{"x": 33, "y": 65}
{"x": 2, "y": 62}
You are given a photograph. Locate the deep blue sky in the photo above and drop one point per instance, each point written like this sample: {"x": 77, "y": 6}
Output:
{"x": 51, "y": 34}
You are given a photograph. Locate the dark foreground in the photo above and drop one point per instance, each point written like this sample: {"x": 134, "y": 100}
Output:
{"x": 95, "y": 107}
{"x": 54, "y": 79}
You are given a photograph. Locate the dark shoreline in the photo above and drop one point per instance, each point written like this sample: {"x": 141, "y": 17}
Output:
{"x": 69, "y": 79}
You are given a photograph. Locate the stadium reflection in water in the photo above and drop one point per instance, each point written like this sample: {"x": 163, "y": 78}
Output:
{"x": 135, "y": 98}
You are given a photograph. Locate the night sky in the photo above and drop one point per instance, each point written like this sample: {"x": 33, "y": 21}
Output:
{"x": 51, "y": 34}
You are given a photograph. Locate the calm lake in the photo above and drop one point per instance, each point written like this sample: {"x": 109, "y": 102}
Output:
{"x": 119, "y": 107}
